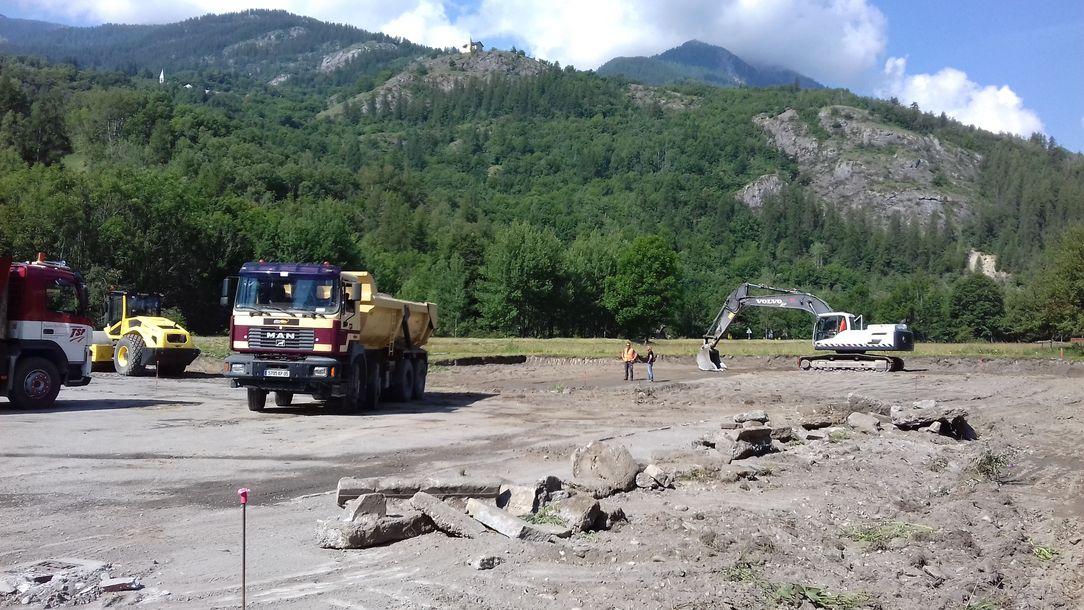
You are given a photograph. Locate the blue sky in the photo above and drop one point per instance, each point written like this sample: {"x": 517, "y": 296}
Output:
{"x": 1002, "y": 65}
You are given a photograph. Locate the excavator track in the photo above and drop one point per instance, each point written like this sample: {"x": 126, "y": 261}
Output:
{"x": 851, "y": 362}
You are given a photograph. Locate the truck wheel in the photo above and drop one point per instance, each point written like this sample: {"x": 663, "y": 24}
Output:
{"x": 372, "y": 388}
{"x": 257, "y": 399}
{"x": 421, "y": 369}
{"x": 354, "y": 400}
{"x": 35, "y": 385}
{"x": 129, "y": 354}
{"x": 402, "y": 382}
{"x": 283, "y": 399}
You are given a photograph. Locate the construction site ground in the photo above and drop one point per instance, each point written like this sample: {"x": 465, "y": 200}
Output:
{"x": 142, "y": 473}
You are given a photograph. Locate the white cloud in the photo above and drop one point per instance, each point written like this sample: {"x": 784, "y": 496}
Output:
{"x": 836, "y": 41}
{"x": 997, "y": 109}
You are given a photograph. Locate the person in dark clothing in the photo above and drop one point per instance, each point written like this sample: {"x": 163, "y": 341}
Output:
{"x": 650, "y": 360}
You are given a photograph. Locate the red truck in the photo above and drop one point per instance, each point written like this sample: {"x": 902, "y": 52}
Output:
{"x": 45, "y": 333}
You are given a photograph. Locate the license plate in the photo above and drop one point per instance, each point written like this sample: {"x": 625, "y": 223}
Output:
{"x": 276, "y": 373}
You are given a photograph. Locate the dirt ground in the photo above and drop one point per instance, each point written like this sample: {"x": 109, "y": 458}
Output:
{"x": 141, "y": 473}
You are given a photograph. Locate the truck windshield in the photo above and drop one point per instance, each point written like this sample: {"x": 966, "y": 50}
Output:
{"x": 289, "y": 293}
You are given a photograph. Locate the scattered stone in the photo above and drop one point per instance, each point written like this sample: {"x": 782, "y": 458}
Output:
{"x": 370, "y": 530}
{"x": 580, "y": 511}
{"x": 751, "y": 424}
{"x": 596, "y": 488}
{"x": 547, "y": 486}
{"x": 746, "y": 442}
{"x": 7, "y": 587}
{"x": 611, "y": 519}
{"x": 110, "y": 585}
{"x": 446, "y": 518}
{"x": 732, "y": 473}
{"x": 396, "y": 487}
{"x": 814, "y": 435}
{"x": 783, "y": 434}
{"x": 553, "y": 529}
{"x": 812, "y": 417}
{"x": 365, "y": 504}
{"x": 504, "y": 523}
{"x": 518, "y": 500}
{"x": 665, "y": 478}
{"x": 729, "y": 425}
{"x": 486, "y": 562}
{"x": 934, "y": 428}
{"x": 758, "y": 416}
{"x": 863, "y": 422}
{"x": 865, "y": 404}
{"x": 643, "y": 481}
{"x": 609, "y": 462}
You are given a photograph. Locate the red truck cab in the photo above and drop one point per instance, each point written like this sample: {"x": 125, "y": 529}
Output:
{"x": 45, "y": 333}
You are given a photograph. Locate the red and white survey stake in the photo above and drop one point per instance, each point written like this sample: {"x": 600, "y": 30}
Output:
{"x": 243, "y": 494}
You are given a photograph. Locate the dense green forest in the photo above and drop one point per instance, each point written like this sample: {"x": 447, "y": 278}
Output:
{"x": 541, "y": 205}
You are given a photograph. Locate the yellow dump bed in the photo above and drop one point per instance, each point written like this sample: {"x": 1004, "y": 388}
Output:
{"x": 380, "y": 317}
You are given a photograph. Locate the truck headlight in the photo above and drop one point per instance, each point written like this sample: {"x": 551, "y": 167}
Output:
{"x": 319, "y": 371}
{"x": 238, "y": 368}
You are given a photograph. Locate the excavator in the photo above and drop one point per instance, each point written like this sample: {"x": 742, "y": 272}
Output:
{"x": 836, "y": 331}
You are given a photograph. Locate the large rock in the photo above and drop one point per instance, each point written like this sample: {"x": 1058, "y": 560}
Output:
{"x": 609, "y": 462}
{"x": 580, "y": 511}
{"x": 758, "y": 416}
{"x": 446, "y": 518}
{"x": 743, "y": 443}
{"x": 812, "y": 417}
{"x": 505, "y": 523}
{"x": 397, "y": 487}
{"x": 664, "y": 478}
{"x": 865, "y": 404}
{"x": 864, "y": 422}
{"x": 370, "y": 530}
{"x": 519, "y": 500}
{"x": 923, "y": 413}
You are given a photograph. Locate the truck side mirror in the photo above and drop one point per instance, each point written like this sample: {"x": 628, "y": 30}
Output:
{"x": 224, "y": 300}
{"x": 353, "y": 292}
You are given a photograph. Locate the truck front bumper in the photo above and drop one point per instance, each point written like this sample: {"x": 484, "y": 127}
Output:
{"x": 308, "y": 375}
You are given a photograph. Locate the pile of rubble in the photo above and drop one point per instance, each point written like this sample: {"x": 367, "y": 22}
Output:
{"x": 61, "y": 582}
{"x": 379, "y": 511}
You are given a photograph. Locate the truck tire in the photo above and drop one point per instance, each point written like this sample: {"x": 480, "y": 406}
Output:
{"x": 128, "y": 355}
{"x": 402, "y": 381}
{"x": 283, "y": 399}
{"x": 421, "y": 369}
{"x": 372, "y": 388}
{"x": 257, "y": 399}
{"x": 354, "y": 400}
{"x": 35, "y": 385}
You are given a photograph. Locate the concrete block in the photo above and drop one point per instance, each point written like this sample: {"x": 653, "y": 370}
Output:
{"x": 365, "y": 504}
{"x": 129, "y": 583}
{"x": 370, "y": 530}
{"x": 505, "y": 523}
{"x": 519, "y": 500}
{"x": 398, "y": 487}
{"x": 580, "y": 511}
{"x": 446, "y": 518}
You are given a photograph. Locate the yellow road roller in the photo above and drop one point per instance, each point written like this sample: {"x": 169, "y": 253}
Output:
{"x": 137, "y": 336}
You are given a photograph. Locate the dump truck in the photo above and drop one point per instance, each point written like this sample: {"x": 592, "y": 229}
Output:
{"x": 136, "y": 336}
{"x": 319, "y": 330}
{"x": 44, "y": 331}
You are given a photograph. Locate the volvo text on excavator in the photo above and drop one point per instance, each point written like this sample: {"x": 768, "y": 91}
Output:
{"x": 842, "y": 333}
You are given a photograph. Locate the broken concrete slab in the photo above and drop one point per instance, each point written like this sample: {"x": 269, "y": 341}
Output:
{"x": 129, "y": 583}
{"x": 783, "y": 434}
{"x": 580, "y": 511}
{"x": 746, "y": 442}
{"x": 643, "y": 481}
{"x": 557, "y": 531}
{"x": 864, "y": 422}
{"x": 923, "y": 413}
{"x": 757, "y": 415}
{"x": 505, "y": 523}
{"x": 596, "y": 488}
{"x": 397, "y": 487}
{"x": 729, "y": 425}
{"x": 812, "y": 417}
{"x": 370, "y": 530}
{"x": 365, "y": 504}
{"x": 446, "y": 518}
{"x": 610, "y": 462}
{"x": 518, "y": 499}
{"x": 486, "y": 562}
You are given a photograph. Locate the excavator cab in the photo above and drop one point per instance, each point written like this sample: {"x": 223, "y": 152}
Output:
{"x": 831, "y": 324}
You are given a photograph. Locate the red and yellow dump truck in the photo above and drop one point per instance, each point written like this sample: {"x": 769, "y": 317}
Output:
{"x": 44, "y": 331}
{"x": 319, "y": 330}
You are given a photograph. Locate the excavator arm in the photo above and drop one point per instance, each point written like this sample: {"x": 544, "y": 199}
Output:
{"x": 740, "y": 299}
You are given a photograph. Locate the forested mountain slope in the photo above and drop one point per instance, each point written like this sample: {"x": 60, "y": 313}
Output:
{"x": 532, "y": 201}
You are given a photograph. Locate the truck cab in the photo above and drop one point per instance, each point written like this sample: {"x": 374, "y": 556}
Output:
{"x": 45, "y": 332}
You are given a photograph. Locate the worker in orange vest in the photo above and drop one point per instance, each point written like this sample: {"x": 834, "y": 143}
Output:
{"x": 628, "y": 357}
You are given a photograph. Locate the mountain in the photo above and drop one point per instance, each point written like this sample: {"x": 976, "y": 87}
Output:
{"x": 261, "y": 44}
{"x": 523, "y": 197}
{"x": 697, "y": 61}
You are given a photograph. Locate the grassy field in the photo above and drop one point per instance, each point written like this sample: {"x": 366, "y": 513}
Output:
{"x": 441, "y": 348}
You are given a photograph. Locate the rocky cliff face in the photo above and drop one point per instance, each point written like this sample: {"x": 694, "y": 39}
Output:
{"x": 854, "y": 161}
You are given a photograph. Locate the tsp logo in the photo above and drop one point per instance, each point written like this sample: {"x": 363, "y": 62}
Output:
{"x": 77, "y": 333}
